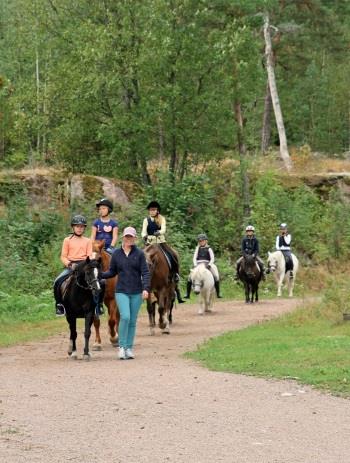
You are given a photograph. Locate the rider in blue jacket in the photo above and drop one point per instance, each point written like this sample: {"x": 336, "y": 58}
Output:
{"x": 250, "y": 245}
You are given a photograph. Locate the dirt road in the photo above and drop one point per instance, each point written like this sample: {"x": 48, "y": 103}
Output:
{"x": 160, "y": 407}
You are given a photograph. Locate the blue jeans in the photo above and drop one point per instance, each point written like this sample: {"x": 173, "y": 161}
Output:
{"x": 129, "y": 306}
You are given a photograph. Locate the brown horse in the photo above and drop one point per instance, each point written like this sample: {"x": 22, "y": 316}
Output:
{"x": 109, "y": 300}
{"x": 162, "y": 286}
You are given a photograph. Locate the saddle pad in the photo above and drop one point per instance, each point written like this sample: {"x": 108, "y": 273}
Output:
{"x": 65, "y": 283}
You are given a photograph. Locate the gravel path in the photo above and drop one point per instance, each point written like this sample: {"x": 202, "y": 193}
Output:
{"x": 160, "y": 407}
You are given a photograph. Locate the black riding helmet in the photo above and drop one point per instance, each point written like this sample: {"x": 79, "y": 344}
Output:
{"x": 105, "y": 202}
{"x": 78, "y": 220}
{"x": 153, "y": 204}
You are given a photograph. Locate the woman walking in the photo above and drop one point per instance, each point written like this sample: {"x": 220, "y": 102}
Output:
{"x": 133, "y": 285}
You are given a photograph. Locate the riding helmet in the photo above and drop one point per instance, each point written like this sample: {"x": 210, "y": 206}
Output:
{"x": 249, "y": 228}
{"x": 78, "y": 220}
{"x": 153, "y": 204}
{"x": 283, "y": 226}
{"x": 202, "y": 236}
{"x": 105, "y": 202}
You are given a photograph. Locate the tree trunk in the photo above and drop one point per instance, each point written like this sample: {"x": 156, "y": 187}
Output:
{"x": 274, "y": 96}
{"x": 237, "y": 109}
{"x": 266, "y": 128}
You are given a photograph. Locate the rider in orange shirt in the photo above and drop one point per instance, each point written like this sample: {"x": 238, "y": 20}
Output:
{"x": 75, "y": 248}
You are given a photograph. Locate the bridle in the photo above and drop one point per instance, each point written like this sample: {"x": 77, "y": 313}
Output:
{"x": 90, "y": 281}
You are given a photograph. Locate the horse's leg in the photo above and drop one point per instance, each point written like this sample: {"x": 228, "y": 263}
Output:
{"x": 207, "y": 300}
{"x": 201, "y": 304}
{"x": 290, "y": 286}
{"x": 279, "y": 284}
{"x": 98, "y": 343}
{"x": 113, "y": 320}
{"x": 87, "y": 333}
{"x": 151, "y": 315}
{"x": 163, "y": 322}
{"x": 72, "y": 348}
{"x": 246, "y": 289}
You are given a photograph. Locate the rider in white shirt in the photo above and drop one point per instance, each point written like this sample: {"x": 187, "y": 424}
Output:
{"x": 283, "y": 243}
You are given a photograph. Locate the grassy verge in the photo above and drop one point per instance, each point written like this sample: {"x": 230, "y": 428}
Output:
{"x": 26, "y": 317}
{"x": 311, "y": 345}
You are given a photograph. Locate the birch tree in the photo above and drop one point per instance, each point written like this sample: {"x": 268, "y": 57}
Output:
{"x": 274, "y": 95}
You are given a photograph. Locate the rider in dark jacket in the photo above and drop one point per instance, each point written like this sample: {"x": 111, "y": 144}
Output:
{"x": 250, "y": 245}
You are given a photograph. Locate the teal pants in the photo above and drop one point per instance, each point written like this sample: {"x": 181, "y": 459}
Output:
{"x": 129, "y": 306}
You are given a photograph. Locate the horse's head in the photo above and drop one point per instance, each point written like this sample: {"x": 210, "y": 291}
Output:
{"x": 272, "y": 262}
{"x": 197, "y": 278}
{"x": 98, "y": 246}
{"x": 249, "y": 265}
{"x": 87, "y": 273}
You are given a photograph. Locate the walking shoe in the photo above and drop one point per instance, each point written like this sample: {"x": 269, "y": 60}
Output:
{"x": 129, "y": 354}
{"x": 60, "y": 310}
{"x": 121, "y": 353}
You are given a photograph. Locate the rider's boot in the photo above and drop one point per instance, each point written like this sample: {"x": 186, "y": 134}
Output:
{"x": 178, "y": 295}
{"x": 188, "y": 290}
{"x": 236, "y": 277}
{"x": 59, "y": 307}
{"x": 217, "y": 289}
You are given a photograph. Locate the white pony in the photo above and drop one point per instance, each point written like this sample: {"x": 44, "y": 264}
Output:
{"x": 276, "y": 263}
{"x": 203, "y": 284}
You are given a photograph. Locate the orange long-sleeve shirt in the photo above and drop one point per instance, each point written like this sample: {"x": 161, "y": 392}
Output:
{"x": 75, "y": 248}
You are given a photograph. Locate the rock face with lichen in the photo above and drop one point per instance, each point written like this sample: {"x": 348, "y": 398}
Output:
{"x": 46, "y": 187}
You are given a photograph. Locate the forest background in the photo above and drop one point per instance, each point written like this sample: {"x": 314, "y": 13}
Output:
{"x": 172, "y": 95}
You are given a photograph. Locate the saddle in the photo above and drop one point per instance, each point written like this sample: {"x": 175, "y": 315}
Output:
{"x": 63, "y": 286}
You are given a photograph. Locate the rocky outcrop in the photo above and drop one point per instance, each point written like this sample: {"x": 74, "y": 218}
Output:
{"x": 45, "y": 187}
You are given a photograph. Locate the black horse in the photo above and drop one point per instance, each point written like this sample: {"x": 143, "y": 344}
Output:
{"x": 250, "y": 274}
{"x": 80, "y": 299}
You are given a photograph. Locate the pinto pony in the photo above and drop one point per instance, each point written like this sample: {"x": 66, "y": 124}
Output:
{"x": 203, "y": 285}
{"x": 80, "y": 295}
{"x": 250, "y": 274}
{"x": 276, "y": 264}
{"x": 162, "y": 286}
{"x": 109, "y": 300}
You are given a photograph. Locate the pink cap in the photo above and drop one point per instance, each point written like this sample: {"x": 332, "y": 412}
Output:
{"x": 129, "y": 231}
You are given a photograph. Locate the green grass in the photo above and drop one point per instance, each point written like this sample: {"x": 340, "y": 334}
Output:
{"x": 26, "y": 317}
{"x": 311, "y": 345}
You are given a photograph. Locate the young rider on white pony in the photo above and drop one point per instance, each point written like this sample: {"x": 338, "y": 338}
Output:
{"x": 250, "y": 245}
{"x": 204, "y": 254}
{"x": 283, "y": 243}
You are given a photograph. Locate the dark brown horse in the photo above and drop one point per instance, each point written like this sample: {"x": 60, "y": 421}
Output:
{"x": 109, "y": 300}
{"x": 250, "y": 274}
{"x": 162, "y": 287}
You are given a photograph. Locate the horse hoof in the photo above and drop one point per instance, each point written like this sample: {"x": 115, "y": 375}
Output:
{"x": 87, "y": 357}
{"x": 166, "y": 331}
{"x": 152, "y": 332}
{"x": 96, "y": 346}
{"x": 114, "y": 341}
{"x": 73, "y": 355}
{"x": 200, "y": 313}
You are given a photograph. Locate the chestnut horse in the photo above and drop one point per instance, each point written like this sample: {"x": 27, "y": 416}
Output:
{"x": 109, "y": 300}
{"x": 162, "y": 286}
